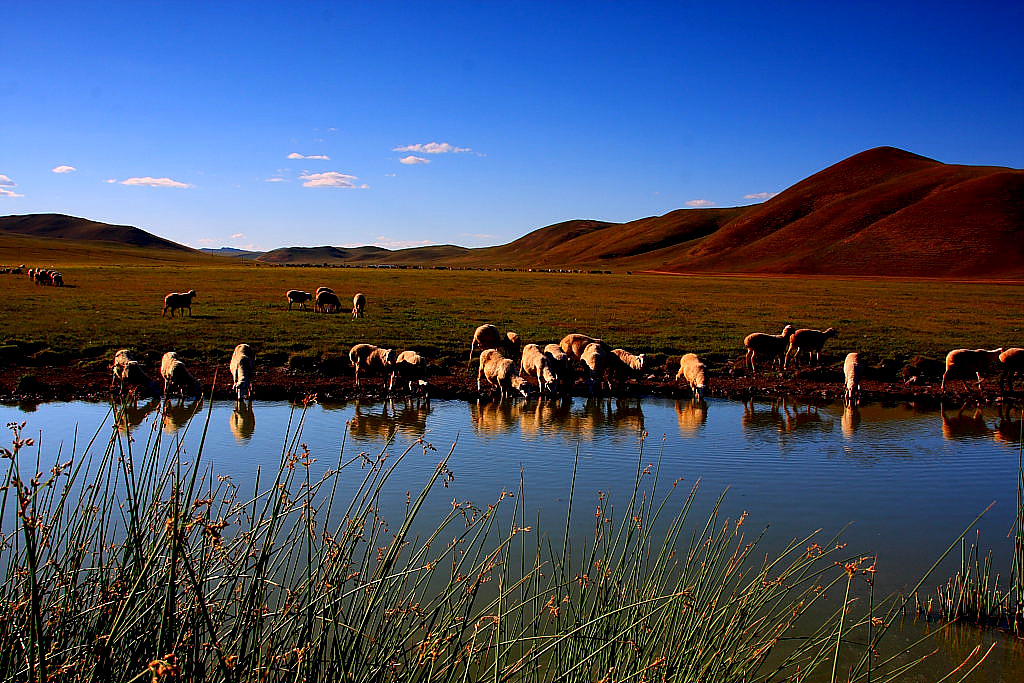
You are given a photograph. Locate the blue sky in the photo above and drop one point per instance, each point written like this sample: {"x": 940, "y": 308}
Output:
{"x": 180, "y": 117}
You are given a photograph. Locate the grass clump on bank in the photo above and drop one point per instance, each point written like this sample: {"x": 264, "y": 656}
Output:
{"x": 128, "y": 559}
{"x": 976, "y": 593}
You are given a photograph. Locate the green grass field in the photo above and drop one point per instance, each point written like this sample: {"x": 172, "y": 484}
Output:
{"x": 114, "y": 306}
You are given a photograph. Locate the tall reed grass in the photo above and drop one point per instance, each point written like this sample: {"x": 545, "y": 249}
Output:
{"x": 976, "y": 593}
{"x": 132, "y": 561}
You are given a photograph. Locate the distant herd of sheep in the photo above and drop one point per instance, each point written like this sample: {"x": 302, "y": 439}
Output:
{"x": 509, "y": 367}
{"x": 40, "y": 276}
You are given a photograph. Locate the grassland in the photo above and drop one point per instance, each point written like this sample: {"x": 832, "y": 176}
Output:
{"x": 110, "y": 306}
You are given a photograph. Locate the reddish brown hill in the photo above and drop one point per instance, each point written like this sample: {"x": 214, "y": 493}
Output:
{"x": 881, "y": 212}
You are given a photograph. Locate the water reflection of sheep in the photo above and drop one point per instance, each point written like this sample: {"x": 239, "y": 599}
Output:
{"x": 693, "y": 415}
{"x": 964, "y": 424}
{"x": 129, "y": 415}
{"x": 782, "y": 416}
{"x": 407, "y": 417}
{"x": 177, "y": 414}
{"x": 243, "y": 421}
{"x": 851, "y": 418}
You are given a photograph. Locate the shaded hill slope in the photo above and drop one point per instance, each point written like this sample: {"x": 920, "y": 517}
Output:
{"x": 60, "y": 226}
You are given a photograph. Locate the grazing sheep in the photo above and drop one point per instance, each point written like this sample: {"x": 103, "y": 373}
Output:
{"x": 297, "y": 296}
{"x": 691, "y": 369}
{"x": 57, "y": 279}
{"x": 563, "y": 364}
{"x": 810, "y": 341}
{"x": 320, "y": 290}
{"x": 574, "y": 344}
{"x": 327, "y": 302}
{"x": 177, "y": 376}
{"x": 412, "y": 367}
{"x": 535, "y": 363}
{"x": 128, "y": 372}
{"x": 768, "y": 346}
{"x": 852, "y": 373}
{"x": 1013, "y": 364}
{"x": 243, "y": 371}
{"x": 367, "y": 358}
{"x": 490, "y": 337}
{"x": 179, "y": 301}
{"x": 358, "y": 305}
{"x": 499, "y": 372}
{"x": 965, "y": 362}
{"x": 600, "y": 363}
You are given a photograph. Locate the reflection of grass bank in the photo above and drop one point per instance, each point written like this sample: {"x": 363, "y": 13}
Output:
{"x": 118, "y": 560}
{"x": 976, "y": 592}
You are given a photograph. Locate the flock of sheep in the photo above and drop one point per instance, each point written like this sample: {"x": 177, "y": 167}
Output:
{"x": 40, "y": 276}
{"x": 509, "y": 367}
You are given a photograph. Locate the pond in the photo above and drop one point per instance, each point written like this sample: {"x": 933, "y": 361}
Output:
{"x": 898, "y": 481}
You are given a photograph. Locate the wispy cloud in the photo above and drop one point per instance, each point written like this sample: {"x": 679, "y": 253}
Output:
{"x": 5, "y": 187}
{"x": 110, "y": 180}
{"x": 332, "y": 179}
{"x": 698, "y": 203}
{"x": 206, "y": 240}
{"x": 433, "y": 148}
{"x": 412, "y": 160}
{"x": 63, "y": 169}
{"x": 275, "y": 180}
{"x": 152, "y": 182}
{"x": 296, "y": 155}
{"x": 478, "y": 235}
{"x": 760, "y": 195}
{"x": 238, "y": 236}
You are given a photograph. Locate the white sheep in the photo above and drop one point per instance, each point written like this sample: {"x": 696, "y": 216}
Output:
{"x": 297, "y": 296}
{"x": 693, "y": 371}
{"x": 810, "y": 341}
{"x": 490, "y": 337}
{"x": 965, "y": 362}
{"x": 563, "y": 364}
{"x": 327, "y": 302}
{"x": 176, "y": 301}
{"x": 574, "y": 344}
{"x": 536, "y": 364}
{"x": 367, "y": 358}
{"x": 852, "y": 373}
{"x": 358, "y": 305}
{"x": 1013, "y": 364}
{"x": 128, "y": 371}
{"x": 412, "y": 367}
{"x": 599, "y": 362}
{"x": 763, "y": 345}
{"x": 243, "y": 371}
{"x": 499, "y": 372}
{"x": 177, "y": 376}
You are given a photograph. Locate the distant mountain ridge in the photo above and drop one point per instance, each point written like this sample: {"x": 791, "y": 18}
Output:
{"x": 232, "y": 251}
{"x": 882, "y": 212}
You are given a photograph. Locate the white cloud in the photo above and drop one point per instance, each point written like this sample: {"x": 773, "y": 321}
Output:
{"x": 206, "y": 240}
{"x": 154, "y": 182}
{"x": 110, "y": 180}
{"x": 238, "y": 236}
{"x": 63, "y": 169}
{"x": 412, "y": 160}
{"x": 433, "y": 148}
{"x": 332, "y": 179}
{"x": 390, "y": 175}
{"x": 296, "y": 155}
{"x": 760, "y": 195}
{"x": 274, "y": 180}
{"x": 392, "y": 243}
{"x": 700, "y": 202}
{"x": 5, "y": 187}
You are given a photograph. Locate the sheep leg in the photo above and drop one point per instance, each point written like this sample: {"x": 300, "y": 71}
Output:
{"x": 479, "y": 376}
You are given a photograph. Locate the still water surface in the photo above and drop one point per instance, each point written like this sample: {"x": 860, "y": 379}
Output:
{"x": 906, "y": 481}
